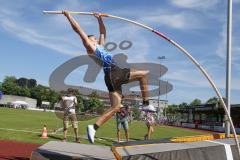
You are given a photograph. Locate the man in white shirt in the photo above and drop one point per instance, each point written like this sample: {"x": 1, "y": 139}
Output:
{"x": 69, "y": 102}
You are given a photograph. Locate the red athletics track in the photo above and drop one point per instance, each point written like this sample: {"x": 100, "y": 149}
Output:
{"x": 12, "y": 150}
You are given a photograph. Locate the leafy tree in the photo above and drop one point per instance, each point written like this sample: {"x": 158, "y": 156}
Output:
{"x": 9, "y": 79}
{"x": 31, "y": 83}
{"x": 41, "y": 93}
{"x": 85, "y": 105}
{"x": 9, "y": 86}
{"x": 13, "y": 86}
{"x": 22, "y": 82}
{"x": 23, "y": 91}
{"x": 100, "y": 108}
{"x": 35, "y": 93}
{"x": 172, "y": 112}
{"x": 94, "y": 95}
{"x": 0, "y": 86}
{"x": 183, "y": 105}
{"x": 136, "y": 113}
{"x": 53, "y": 98}
{"x": 76, "y": 92}
{"x": 93, "y": 104}
{"x": 195, "y": 102}
{"x": 171, "y": 109}
{"x": 213, "y": 100}
{"x": 80, "y": 106}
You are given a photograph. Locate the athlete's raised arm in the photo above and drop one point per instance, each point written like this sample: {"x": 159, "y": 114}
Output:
{"x": 102, "y": 29}
{"x": 86, "y": 42}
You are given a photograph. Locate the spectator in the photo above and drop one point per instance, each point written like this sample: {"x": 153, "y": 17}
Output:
{"x": 69, "y": 103}
{"x": 122, "y": 121}
{"x": 149, "y": 122}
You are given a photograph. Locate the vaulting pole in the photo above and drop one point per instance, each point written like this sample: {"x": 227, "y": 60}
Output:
{"x": 203, "y": 71}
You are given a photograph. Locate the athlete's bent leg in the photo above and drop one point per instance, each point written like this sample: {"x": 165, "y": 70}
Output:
{"x": 141, "y": 76}
{"x": 115, "y": 100}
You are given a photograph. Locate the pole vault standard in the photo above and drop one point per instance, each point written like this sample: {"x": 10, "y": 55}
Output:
{"x": 180, "y": 48}
{"x": 229, "y": 59}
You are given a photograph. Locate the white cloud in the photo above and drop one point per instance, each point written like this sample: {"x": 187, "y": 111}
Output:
{"x": 34, "y": 37}
{"x": 54, "y": 31}
{"x": 164, "y": 17}
{"x": 183, "y": 79}
{"x": 183, "y": 73}
{"x": 221, "y": 48}
{"x": 236, "y": 1}
{"x": 180, "y": 21}
{"x": 194, "y": 4}
{"x": 38, "y": 32}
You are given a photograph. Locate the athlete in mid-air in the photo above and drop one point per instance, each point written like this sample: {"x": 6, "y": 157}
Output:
{"x": 114, "y": 75}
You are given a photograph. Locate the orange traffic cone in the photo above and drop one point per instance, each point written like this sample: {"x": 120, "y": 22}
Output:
{"x": 44, "y": 132}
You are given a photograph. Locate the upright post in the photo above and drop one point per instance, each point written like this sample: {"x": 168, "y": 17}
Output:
{"x": 228, "y": 64}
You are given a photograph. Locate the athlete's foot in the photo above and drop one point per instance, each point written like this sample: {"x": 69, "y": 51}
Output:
{"x": 91, "y": 133}
{"x": 148, "y": 108}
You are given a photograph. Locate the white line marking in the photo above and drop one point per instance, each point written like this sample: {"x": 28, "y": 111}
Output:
{"x": 16, "y": 130}
{"x": 27, "y": 131}
{"x": 227, "y": 147}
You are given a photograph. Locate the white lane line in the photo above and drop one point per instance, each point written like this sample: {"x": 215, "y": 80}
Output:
{"x": 27, "y": 131}
{"x": 227, "y": 147}
{"x": 18, "y": 130}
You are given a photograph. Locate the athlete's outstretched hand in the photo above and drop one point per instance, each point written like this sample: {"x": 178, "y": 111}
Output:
{"x": 66, "y": 13}
{"x": 97, "y": 15}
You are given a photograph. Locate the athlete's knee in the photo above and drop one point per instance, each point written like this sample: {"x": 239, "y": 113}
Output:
{"x": 117, "y": 107}
{"x": 117, "y": 98}
{"x": 144, "y": 74}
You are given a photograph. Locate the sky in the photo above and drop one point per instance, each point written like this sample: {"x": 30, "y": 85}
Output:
{"x": 33, "y": 45}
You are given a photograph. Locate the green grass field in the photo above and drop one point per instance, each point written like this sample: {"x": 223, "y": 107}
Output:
{"x": 25, "y": 126}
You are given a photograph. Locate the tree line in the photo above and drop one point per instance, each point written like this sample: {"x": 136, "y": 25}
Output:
{"x": 172, "y": 111}
{"x": 29, "y": 88}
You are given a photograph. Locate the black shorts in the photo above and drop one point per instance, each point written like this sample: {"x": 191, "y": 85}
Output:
{"x": 115, "y": 78}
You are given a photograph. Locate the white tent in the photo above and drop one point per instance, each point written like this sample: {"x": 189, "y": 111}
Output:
{"x": 19, "y": 104}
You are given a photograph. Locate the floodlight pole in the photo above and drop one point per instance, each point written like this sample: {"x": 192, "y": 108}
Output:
{"x": 228, "y": 65}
